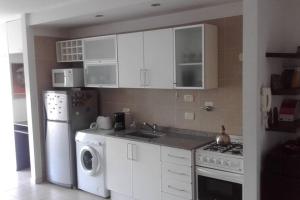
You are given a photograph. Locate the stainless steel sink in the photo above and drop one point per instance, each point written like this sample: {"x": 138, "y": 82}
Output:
{"x": 145, "y": 135}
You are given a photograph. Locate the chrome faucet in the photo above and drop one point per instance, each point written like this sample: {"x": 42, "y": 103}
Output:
{"x": 154, "y": 127}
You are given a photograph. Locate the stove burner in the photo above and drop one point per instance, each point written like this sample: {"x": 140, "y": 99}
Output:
{"x": 233, "y": 148}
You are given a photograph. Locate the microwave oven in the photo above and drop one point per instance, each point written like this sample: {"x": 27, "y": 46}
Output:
{"x": 72, "y": 77}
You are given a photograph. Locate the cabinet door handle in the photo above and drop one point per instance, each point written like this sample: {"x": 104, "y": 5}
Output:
{"x": 142, "y": 77}
{"x": 134, "y": 152}
{"x": 175, "y": 188}
{"x": 177, "y": 173}
{"x": 129, "y": 151}
{"x": 147, "y": 77}
{"x": 179, "y": 157}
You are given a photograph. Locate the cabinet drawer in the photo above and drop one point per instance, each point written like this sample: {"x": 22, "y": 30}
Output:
{"x": 176, "y": 156}
{"x": 177, "y": 188}
{"x": 166, "y": 196}
{"x": 177, "y": 172}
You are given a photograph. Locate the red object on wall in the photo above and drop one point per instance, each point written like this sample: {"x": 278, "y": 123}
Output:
{"x": 18, "y": 80}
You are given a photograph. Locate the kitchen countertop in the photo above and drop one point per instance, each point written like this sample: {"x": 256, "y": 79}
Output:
{"x": 171, "y": 139}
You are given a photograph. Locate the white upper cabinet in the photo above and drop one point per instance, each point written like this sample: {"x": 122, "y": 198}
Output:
{"x": 131, "y": 64}
{"x": 102, "y": 48}
{"x": 196, "y": 57}
{"x": 100, "y": 61}
{"x": 158, "y": 58}
{"x": 146, "y": 59}
{"x": 100, "y": 74}
{"x": 181, "y": 58}
{"x": 14, "y": 36}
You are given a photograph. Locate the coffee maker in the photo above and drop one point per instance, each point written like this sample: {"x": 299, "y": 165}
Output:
{"x": 119, "y": 121}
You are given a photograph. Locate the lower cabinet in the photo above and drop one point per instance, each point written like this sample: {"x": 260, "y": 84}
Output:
{"x": 177, "y": 174}
{"x": 133, "y": 169}
{"x": 118, "y": 166}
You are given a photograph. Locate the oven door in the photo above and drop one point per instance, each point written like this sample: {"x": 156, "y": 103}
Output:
{"x": 218, "y": 185}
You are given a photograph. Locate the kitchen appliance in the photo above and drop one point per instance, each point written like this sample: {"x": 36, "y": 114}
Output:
{"x": 91, "y": 171}
{"x": 219, "y": 171}
{"x": 72, "y": 77}
{"x": 66, "y": 112}
{"x": 223, "y": 138}
{"x": 102, "y": 122}
{"x": 119, "y": 121}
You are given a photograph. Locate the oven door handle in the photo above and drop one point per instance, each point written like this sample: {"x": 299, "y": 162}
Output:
{"x": 222, "y": 175}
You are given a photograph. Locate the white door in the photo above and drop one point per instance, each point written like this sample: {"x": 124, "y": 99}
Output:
{"x": 119, "y": 166}
{"x": 130, "y": 56}
{"x": 58, "y": 153}
{"x": 146, "y": 170}
{"x": 158, "y": 58}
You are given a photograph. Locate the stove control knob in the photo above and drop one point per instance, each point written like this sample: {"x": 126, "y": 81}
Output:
{"x": 212, "y": 160}
{"x": 205, "y": 159}
{"x": 227, "y": 163}
{"x": 200, "y": 158}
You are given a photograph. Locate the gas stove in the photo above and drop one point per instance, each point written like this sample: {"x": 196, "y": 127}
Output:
{"x": 235, "y": 148}
{"x": 222, "y": 157}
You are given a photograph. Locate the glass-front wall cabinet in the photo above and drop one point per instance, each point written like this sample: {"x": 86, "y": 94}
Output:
{"x": 100, "y": 61}
{"x": 195, "y": 57}
{"x": 189, "y": 56}
{"x": 97, "y": 74}
{"x": 101, "y": 48}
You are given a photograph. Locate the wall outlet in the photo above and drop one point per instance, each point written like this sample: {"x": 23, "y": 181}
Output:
{"x": 188, "y": 98}
{"x": 126, "y": 110}
{"x": 189, "y": 116}
{"x": 209, "y": 104}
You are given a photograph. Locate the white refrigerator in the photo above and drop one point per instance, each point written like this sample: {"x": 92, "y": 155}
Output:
{"x": 66, "y": 112}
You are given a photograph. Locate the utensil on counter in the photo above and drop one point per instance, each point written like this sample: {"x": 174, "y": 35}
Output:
{"x": 223, "y": 138}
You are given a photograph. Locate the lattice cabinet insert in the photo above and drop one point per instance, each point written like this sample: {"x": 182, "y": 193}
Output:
{"x": 69, "y": 51}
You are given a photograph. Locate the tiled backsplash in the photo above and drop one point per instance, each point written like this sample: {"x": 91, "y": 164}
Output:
{"x": 167, "y": 107}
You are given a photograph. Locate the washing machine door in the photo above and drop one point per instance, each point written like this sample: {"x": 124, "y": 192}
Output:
{"x": 90, "y": 160}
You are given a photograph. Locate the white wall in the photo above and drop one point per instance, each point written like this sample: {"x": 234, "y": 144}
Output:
{"x": 6, "y": 116}
{"x": 179, "y": 18}
{"x": 20, "y": 111}
{"x": 35, "y": 139}
{"x": 251, "y": 101}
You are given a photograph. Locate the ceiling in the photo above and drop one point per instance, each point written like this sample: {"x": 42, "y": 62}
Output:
{"x": 75, "y": 13}
{"x": 10, "y": 8}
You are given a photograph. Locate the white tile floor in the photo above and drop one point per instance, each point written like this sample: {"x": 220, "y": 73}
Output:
{"x": 18, "y": 186}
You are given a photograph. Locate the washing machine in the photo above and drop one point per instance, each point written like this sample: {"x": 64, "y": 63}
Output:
{"x": 90, "y": 153}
